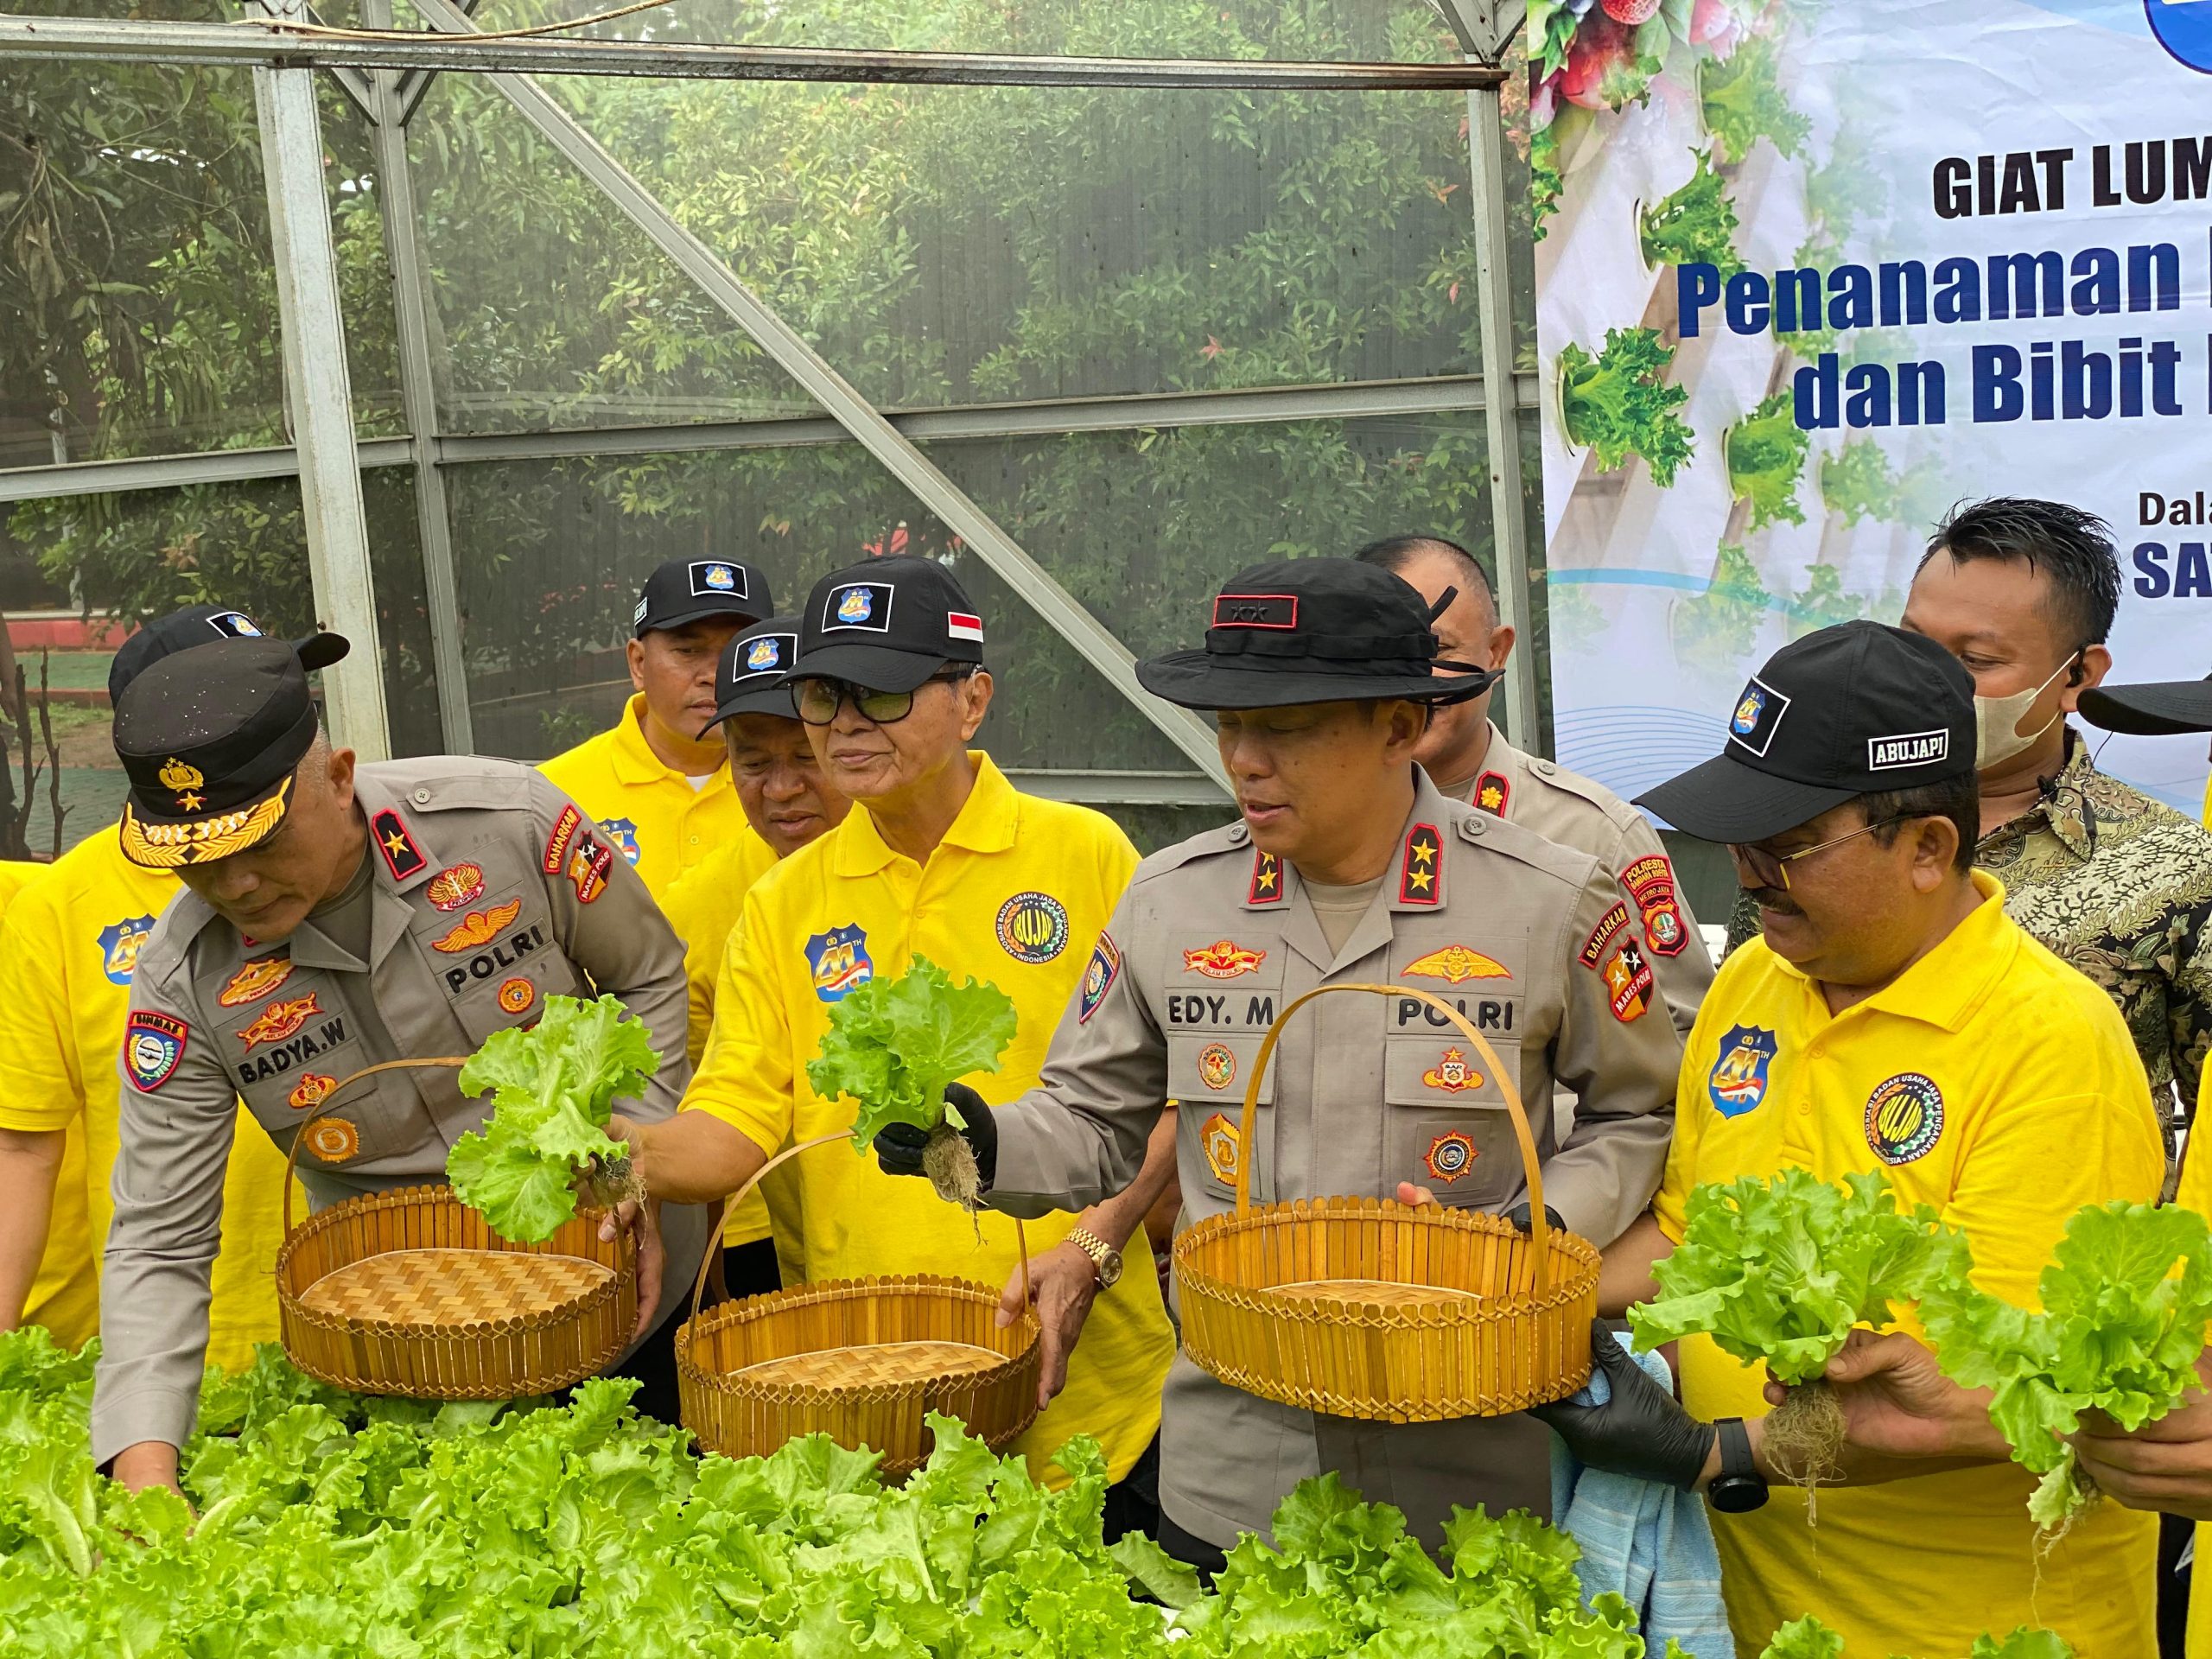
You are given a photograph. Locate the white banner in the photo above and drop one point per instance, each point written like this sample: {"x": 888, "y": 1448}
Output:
{"x": 1985, "y": 227}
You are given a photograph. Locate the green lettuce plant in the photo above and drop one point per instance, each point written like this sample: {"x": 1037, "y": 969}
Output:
{"x": 1619, "y": 404}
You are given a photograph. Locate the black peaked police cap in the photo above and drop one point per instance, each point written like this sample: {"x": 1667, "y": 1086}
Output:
{"x": 750, "y": 679}
{"x": 886, "y": 625}
{"x": 1851, "y": 710}
{"x": 684, "y": 590}
{"x": 1312, "y": 631}
{"x": 210, "y": 738}
{"x": 2157, "y": 709}
{"x": 203, "y": 624}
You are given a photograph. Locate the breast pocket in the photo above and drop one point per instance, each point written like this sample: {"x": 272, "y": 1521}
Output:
{"x": 497, "y": 960}
{"x": 1448, "y": 1127}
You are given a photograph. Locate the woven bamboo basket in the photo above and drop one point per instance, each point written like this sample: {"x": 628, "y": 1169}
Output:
{"x": 411, "y": 1293}
{"x": 862, "y": 1360}
{"x": 1367, "y": 1308}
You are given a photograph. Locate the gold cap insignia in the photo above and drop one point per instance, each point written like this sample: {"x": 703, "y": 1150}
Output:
{"x": 176, "y": 774}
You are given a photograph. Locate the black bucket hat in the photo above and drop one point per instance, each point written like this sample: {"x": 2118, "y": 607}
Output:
{"x": 2156, "y": 709}
{"x": 1313, "y": 631}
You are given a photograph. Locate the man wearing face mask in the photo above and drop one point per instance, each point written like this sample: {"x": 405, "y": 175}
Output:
{"x": 2118, "y": 885}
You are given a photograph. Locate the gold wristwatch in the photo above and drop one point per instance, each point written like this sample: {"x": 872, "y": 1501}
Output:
{"x": 1103, "y": 1257}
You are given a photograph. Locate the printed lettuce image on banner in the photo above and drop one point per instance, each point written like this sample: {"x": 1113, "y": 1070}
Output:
{"x": 1808, "y": 274}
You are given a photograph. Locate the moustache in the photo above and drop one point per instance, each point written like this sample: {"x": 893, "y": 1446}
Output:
{"x": 1774, "y": 899}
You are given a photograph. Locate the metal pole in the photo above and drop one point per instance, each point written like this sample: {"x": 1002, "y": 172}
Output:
{"x": 898, "y": 454}
{"x": 321, "y": 391}
{"x": 410, "y": 300}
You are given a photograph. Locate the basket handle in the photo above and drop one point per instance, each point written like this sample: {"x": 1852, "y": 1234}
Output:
{"x": 1539, "y": 1223}
{"x": 299, "y": 1138}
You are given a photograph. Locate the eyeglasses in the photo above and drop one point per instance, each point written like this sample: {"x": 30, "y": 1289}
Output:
{"x": 818, "y": 700}
{"x": 1770, "y": 869}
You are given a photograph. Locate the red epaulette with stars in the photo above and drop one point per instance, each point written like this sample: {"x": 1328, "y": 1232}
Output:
{"x": 1421, "y": 874}
{"x": 401, "y": 856}
{"x": 1266, "y": 880}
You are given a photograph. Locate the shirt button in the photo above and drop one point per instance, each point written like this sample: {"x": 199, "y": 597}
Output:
{"x": 1804, "y": 1108}
{"x": 1545, "y": 768}
{"x": 421, "y": 797}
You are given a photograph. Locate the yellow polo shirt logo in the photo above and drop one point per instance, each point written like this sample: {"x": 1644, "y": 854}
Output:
{"x": 1904, "y": 1117}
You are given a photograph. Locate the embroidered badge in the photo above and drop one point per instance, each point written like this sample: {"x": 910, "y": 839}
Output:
{"x": 1739, "y": 1078}
{"x": 1452, "y": 1074}
{"x": 120, "y": 944}
{"x": 1904, "y": 1117}
{"x": 1492, "y": 790}
{"x": 858, "y": 605}
{"x": 556, "y": 844}
{"x": 588, "y": 863}
{"x": 312, "y": 1090}
{"x": 1627, "y": 982}
{"x": 1104, "y": 967}
{"x": 1219, "y": 1139}
{"x": 255, "y": 980}
{"x": 1455, "y": 965}
{"x": 764, "y": 653}
{"x": 153, "y": 1044}
{"x": 1223, "y": 959}
{"x": 333, "y": 1140}
{"x": 1217, "y": 1065}
{"x": 712, "y": 577}
{"x": 479, "y": 927}
{"x": 1650, "y": 882}
{"x": 622, "y": 832}
{"x": 185, "y": 782}
{"x": 1450, "y": 1156}
{"x": 1266, "y": 880}
{"x": 1420, "y": 876}
{"x": 839, "y": 961}
{"x": 401, "y": 856}
{"x": 1274, "y": 611}
{"x": 517, "y": 995}
{"x": 456, "y": 886}
{"x": 1594, "y": 948}
{"x": 279, "y": 1020}
{"x": 1758, "y": 715}
{"x": 1033, "y": 927}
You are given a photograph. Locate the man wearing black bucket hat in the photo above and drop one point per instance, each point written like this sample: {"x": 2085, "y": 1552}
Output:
{"x": 336, "y": 917}
{"x": 2156, "y": 708}
{"x": 1890, "y": 1018}
{"x": 1347, "y": 867}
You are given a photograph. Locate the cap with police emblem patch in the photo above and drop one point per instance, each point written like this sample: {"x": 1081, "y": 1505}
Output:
{"x": 750, "y": 680}
{"x": 2155, "y": 708}
{"x": 684, "y": 590}
{"x": 1856, "y": 709}
{"x": 886, "y": 625}
{"x": 209, "y": 738}
{"x": 1313, "y": 631}
{"x": 200, "y": 625}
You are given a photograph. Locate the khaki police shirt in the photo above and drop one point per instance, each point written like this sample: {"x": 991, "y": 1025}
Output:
{"x": 1566, "y": 807}
{"x": 491, "y": 892}
{"x": 1528, "y": 939}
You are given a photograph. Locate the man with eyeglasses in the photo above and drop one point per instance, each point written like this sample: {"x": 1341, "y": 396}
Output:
{"x": 942, "y": 859}
{"x": 1892, "y": 1018}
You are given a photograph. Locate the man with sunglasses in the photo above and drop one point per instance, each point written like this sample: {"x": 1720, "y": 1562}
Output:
{"x": 941, "y": 858}
{"x": 1893, "y": 1017}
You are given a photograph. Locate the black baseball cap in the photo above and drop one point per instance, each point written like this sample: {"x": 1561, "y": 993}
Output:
{"x": 886, "y": 625}
{"x": 210, "y": 738}
{"x": 750, "y": 680}
{"x": 1313, "y": 631}
{"x": 2156, "y": 708}
{"x": 684, "y": 590}
{"x": 200, "y": 625}
{"x": 1851, "y": 710}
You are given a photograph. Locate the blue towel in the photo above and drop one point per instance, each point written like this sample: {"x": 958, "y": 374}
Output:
{"x": 1649, "y": 1543}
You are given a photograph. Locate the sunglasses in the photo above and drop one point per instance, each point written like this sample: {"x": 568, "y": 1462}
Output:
{"x": 1767, "y": 868}
{"x": 818, "y": 700}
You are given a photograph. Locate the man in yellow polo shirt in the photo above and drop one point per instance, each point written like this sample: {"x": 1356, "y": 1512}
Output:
{"x": 788, "y": 803}
{"x": 658, "y": 780}
{"x": 945, "y": 860}
{"x": 68, "y": 951}
{"x": 1892, "y": 1019}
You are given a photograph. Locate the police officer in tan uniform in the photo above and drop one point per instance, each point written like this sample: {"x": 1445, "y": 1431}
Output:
{"x": 1347, "y": 865}
{"x": 336, "y": 917}
{"x": 1470, "y": 760}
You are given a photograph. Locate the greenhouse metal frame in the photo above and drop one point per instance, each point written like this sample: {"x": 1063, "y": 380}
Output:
{"x": 385, "y": 72}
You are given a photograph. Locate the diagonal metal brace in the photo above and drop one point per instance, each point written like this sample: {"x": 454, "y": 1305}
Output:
{"x": 1484, "y": 28}
{"x": 944, "y": 499}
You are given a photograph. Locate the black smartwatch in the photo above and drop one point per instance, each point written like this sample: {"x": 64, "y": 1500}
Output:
{"x": 1738, "y": 1487}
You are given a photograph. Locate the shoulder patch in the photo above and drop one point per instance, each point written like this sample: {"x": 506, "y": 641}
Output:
{"x": 1650, "y": 883}
{"x": 1493, "y": 792}
{"x": 397, "y": 842}
{"x": 556, "y": 861}
{"x": 152, "y": 1048}
{"x": 1098, "y": 977}
{"x": 1266, "y": 885}
{"x": 1609, "y": 925}
{"x": 1420, "y": 869}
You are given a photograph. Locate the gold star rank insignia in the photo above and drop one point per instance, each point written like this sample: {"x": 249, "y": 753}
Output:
{"x": 1266, "y": 880}
{"x": 1420, "y": 872}
{"x": 401, "y": 856}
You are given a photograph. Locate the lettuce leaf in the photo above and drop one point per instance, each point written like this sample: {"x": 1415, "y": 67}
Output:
{"x": 1766, "y": 453}
{"x": 1619, "y": 404}
{"x": 1694, "y": 224}
{"x": 894, "y": 1044}
{"x": 1740, "y": 101}
{"x": 1781, "y": 1271}
{"x": 553, "y": 1089}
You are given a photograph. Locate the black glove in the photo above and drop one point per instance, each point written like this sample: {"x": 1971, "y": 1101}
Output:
{"x": 1641, "y": 1430}
{"x": 1522, "y": 1222}
{"x": 898, "y": 1146}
